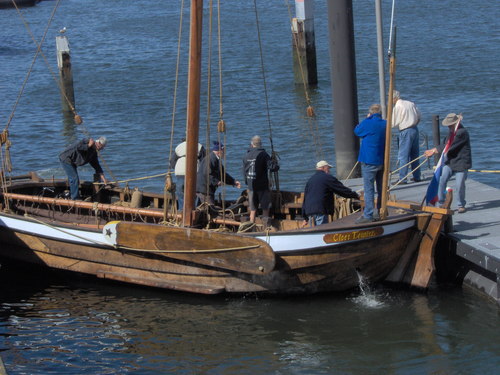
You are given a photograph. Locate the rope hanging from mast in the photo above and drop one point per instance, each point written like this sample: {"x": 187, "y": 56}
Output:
{"x": 310, "y": 112}
{"x": 274, "y": 154}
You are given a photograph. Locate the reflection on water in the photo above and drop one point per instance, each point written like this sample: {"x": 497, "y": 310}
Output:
{"x": 68, "y": 327}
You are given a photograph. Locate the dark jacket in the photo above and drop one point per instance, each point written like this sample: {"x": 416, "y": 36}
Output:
{"x": 80, "y": 154}
{"x": 318, "y": 194}
{"x": 256, "y": 163}
{"x": 215, "y": 170}
{"x": 459, "y": 156}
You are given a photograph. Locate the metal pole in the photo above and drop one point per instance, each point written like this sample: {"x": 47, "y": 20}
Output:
{"x": 380, "y": 54}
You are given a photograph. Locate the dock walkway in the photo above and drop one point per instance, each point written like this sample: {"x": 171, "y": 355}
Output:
{"x": 476, "y": 232}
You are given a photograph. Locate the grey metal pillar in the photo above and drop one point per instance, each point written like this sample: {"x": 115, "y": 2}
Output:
{"x": 380, "y": 55}
{"x": 343, "y": 77}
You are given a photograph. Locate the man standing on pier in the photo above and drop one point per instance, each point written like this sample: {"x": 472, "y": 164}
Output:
{"x": 406, "y": 117}
{"x": 456, "y": 159}
{"x": 371, "y": 156}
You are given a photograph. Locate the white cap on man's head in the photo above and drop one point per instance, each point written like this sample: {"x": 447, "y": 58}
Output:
{"x": 102, "y": 140}
{"x": 323, "y": 163}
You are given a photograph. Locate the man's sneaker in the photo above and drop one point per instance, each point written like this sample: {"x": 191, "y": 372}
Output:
{"x": 376, "y": 216}
{"x": 461, "y": 210}
{"x": 363, "y": 220}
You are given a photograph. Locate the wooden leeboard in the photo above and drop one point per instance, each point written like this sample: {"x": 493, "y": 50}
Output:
{"x": 398, "y": 273}
{"x": 424, "y": 267}
{"x": 221, "y": 250}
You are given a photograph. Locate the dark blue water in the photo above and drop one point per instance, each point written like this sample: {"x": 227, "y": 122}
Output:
{"x": 124, "y": 55}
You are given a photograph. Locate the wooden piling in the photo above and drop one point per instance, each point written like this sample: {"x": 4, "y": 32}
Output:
{"x": 65, "y": 74}
{"x": 304, "y": 45}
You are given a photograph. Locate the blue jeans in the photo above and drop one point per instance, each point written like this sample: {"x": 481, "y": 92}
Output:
{"x": 460, "y": 178}
{"x": 74, "y": 180}
{"x": 179, "y": 191}
{"x": 408, "y": 150}
{"x": 318, "y": 219}
{"x": 372, "y": 175}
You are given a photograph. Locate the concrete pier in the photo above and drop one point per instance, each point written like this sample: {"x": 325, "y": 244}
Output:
{"x": 469, "y": 250}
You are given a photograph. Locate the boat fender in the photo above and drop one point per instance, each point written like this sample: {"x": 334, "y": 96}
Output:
{"x": 136, "y": 200}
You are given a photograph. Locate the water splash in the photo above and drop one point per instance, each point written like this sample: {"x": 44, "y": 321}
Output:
{"x": 367, "y": 297}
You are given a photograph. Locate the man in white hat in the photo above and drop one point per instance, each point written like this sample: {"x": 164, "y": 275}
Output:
{"x": 318, "y": 195}
{"x": 457, "y": 161}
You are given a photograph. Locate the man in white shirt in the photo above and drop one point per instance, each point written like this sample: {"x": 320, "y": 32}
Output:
{"x": 406, "y": 117}
{"x": 178, "y": 163}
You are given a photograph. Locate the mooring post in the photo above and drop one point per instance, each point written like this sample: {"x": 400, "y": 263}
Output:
{"x": 65, "y": 74}
{"x": 343, "y": 77}
{"x": 435, "y": 134}
{"x": 303, "y": 43}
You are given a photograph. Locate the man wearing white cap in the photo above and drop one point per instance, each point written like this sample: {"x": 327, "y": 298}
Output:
{"x": 318, "y": 195}
{"x": 457, "y": 160}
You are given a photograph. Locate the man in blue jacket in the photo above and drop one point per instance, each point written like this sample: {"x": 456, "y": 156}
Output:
{"x": 371, "y": 156}
{"x": 318, "y": 195}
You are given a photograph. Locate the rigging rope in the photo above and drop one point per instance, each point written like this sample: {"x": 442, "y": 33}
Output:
{"x": 176, "y": 83}
{"x": 274, "y": 154}
{"x": 310, "y": 113}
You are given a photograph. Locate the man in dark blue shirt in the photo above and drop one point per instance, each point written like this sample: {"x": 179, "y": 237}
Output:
{"x": 78, "y": 154}
{"x": 318, "y": 195}
{"x": 371, "y": 156}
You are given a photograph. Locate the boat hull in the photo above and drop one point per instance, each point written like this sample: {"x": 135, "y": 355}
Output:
{"x": 331, "y": 265}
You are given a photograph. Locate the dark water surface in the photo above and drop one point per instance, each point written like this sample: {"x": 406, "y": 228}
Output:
{"x": 63, "y": 326}
{"x": 124, "y": 55}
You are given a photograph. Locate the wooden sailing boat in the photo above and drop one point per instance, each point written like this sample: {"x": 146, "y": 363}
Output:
{"x": 137, "y": 245}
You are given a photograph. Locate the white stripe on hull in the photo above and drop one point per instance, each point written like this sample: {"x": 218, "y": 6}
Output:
{"x": 279, "y": 243}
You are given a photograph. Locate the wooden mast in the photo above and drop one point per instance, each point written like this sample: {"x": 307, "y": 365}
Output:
{"x": 388, "y": 130}
{"x": 193, "y": 109}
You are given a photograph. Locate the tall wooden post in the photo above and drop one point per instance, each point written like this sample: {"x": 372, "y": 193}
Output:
{"x": 65, "y": 74}
{"x": 388, "y": 130}
{"x": 193, "y": 109}
{"x": 343, "y": 77}
{"x": 304, "y": 45}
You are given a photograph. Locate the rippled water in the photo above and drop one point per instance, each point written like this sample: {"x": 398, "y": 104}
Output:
{"x": 75, "y": 327}
{"x": 124, "y": 55}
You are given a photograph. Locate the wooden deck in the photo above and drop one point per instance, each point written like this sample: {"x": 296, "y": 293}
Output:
{"x": 474, "y": 235}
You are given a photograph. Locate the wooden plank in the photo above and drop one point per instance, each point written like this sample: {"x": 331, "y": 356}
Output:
{"x": 215, "y": 249}
{"x": 417, "y": 207}
{"x": 424, "y": 267}
{"x": 160, "y": 283}
{"x": 398, "y": 273}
